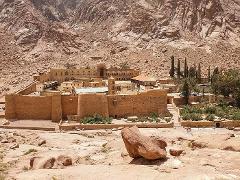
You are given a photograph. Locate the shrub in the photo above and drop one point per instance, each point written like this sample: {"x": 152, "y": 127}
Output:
{"x": 153, "y": 116}
{"x": 196, "y": 117}
{"x": 96, "y": 119}
{"x": 236, "y": 116}
{"x": 188, "y": 109}
{"x": 186, "y": 116}
{"x": 192, "y": 116}
{"x": 210, "y": 110}
{"x": 210, "y": 117}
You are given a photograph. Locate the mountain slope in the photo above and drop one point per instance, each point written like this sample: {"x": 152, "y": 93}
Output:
{"x": 46, "y": 33}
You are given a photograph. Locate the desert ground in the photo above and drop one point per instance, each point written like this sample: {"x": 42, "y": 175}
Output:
{"x": 101, "y": 154}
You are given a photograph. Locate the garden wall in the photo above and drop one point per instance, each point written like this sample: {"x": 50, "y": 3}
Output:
{"x": 220, "y": 124}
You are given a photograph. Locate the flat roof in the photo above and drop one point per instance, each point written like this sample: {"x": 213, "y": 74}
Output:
{"x": 91, "y": 90}
{"x": 142, "y": 77}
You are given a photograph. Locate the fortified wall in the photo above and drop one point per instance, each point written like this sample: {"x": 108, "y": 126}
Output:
{"x": 56, "y": 107}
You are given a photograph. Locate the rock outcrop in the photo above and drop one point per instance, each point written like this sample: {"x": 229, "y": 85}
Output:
{"x": 50, "y": 162}
{"x": 139, "y": 145}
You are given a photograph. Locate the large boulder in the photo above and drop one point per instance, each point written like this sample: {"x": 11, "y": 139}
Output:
{"x": 138, "y": 145}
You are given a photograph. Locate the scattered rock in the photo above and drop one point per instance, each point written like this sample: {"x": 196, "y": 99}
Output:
{"x": 14, "y": 146}
{"x": 6, "y": 122}
{"x": 90, "y": 136}
{"x": 48, "y": 164}
{"x": 41, "y": 142}
{"x": 64, "y": 160}
{"x": 124, "y": 154}
{"x": 97, "y": 157}
{"x": 236, "y": 129}
{"x": 176, "y": 151}
{"x": 4, "y": 141}
{"x": 175, "y": 164}
{"x": 139, "y": 145}
{"x": 42, "y": 162}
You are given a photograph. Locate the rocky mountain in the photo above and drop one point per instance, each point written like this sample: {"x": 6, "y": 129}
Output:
{"x": 38, "y": 34}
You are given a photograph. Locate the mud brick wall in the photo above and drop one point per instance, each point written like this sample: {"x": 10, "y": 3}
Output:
{"x": 28, "y": 107}
{"x": 69, "y": 105}
{"x": 33, "y": 107}
{"x": 91, "y": 104}
{"x": 56, "y": 108}
{"x": 142, "y": 104}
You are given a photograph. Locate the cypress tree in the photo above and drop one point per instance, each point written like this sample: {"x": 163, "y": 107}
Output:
{"x": 192, "y": 72}
{"x": 179, "y": 69}
{"x": 185, "y": 68}
{"x": 186, "y": 91}
{"x": 199, "y": 76}
{"x": 209, "y": 74}
{"x": 172, "y": 67}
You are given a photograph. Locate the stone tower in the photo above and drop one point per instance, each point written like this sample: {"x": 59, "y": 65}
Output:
{"x": 111, "y": 86}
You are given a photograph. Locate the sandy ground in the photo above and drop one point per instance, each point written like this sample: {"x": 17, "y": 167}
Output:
{"x": 101, "y": 154}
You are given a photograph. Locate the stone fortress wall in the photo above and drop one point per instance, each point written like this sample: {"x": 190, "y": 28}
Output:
{"x": 56, "y": 106}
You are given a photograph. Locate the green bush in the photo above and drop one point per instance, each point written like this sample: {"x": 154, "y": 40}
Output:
{"x": 196, "y": 117}
{"x": 96, "y": 119}
{"x": 210, "y": 117}
{"x": 210, "y": 110}
{"x": 189, "y": 109}
{"x": 186, "y": 116}
{"x": 192, "y": 116}
{"x": 153, "y": 116}
{"x": 236, "y": 116}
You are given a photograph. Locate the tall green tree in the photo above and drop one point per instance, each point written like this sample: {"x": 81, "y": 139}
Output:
{"x": 186, "y": 91}
{"x": 209, "y": 74}
{"x": 178, "y": 69}
{"x": 192, "y": 72}
{"x": 185, "y": 68}
{"x": 172, "y": 70}
{"x": 199, "y": 73}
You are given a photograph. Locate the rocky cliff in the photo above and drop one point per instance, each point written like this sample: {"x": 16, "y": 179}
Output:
{"x": 38, "y": 34}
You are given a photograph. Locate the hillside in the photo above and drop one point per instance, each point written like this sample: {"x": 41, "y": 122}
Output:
{"x": 38, "y": 34}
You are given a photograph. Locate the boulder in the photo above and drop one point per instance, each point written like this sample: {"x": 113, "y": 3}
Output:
{"x": 42, "y": 162}
{"x": 41, "y": 142}
{"x": 6, "y": 122}
{"x": 176, "y": 151}
{"x": 50, "y": 162}
{"x": 14, "y": 146}
{"x": 64, "y": 160}
{"x": 138, "y": 145}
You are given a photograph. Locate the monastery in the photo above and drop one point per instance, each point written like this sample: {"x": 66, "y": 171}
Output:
{"x": 87, "y": 91}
